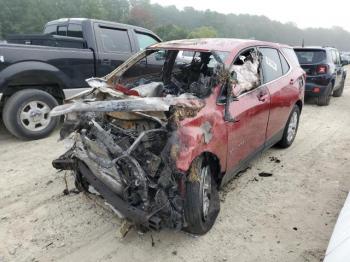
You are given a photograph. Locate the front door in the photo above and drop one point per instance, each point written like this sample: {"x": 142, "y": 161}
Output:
{"x": 246, "y": 134}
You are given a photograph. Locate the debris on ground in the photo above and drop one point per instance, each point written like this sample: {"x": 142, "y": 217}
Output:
{"x": 275, "y": 159}
{"x": 265, "y": 174}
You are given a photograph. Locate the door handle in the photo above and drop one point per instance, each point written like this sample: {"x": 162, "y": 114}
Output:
{"x": 262, "y": 96}
{"x": 106, "y": 62}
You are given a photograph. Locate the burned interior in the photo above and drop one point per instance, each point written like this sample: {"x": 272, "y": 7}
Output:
{"x": 124, "y": 131}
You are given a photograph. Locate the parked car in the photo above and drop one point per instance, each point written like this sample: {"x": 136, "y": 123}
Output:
{"x": 158, "y": 148}
{"x": 345, "y": 58}
{"x": 325, "y": 75}
{"x": 37, "y": 72}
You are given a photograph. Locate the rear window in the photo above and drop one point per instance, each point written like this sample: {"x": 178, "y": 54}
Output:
{"x": 310, "y": 56}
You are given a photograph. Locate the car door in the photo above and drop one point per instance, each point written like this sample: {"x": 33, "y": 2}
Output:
{"x": 283, "y": 87}
{"x": 246, "y": 134}
{"x": 114, "y": 47}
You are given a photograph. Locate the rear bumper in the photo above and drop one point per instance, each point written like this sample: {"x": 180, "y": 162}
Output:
{"x": 314, "y": 90}
{"x": 316, "y": 85}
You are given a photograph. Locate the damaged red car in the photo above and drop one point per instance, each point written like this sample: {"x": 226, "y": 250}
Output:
{"x": 158, "y": 147}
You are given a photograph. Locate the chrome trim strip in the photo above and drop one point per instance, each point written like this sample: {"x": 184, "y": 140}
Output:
{"x": 74, "y": 91}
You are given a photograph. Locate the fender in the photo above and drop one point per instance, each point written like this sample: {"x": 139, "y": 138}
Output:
{"x": 32, "y": 73}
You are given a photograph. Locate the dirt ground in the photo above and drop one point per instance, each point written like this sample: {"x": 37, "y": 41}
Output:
{"x": 286, "y": 217}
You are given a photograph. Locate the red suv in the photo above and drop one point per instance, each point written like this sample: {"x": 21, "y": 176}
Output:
{"x": 157, "y": 147}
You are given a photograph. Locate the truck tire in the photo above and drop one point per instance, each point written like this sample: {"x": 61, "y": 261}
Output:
{"x": 291, "y": 128}
{"x": 339, "y": 91}
{"x": 326, "y": 97}
{"x": 202, "y": 204}
{"x": 26, "y": 114}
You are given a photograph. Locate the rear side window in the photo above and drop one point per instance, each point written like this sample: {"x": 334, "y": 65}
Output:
{"x": 310, "y": 56}
{"x": 291, "y": 56}
{"x": 62, "y": 30}
{"x": 115, "y": 40}
{"x": 271, "y": 64}
{"x": 75, "y": 30}
{"x": 335, "y": 57}
{"x": 284, "y": 63}
{"x": 145, "y": 40}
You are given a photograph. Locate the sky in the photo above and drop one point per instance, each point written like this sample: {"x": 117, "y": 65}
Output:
{"x": 304, "y": 13}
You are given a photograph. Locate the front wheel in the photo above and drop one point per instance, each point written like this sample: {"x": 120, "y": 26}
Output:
{"x": 291, "y": 128}
{"x": 26, "y": 114}
{"x": 202, "y": 204}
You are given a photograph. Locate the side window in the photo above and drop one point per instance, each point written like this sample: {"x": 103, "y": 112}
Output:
{"x": 338, "y": 57}
{"x": 334, "y": 56}
{"x": 115, "y": 40}
{"x": 271, "y": 64}
{"x": 246, "y": 71}
{"x": 145, "y": 40}
{"x": 62, "y": 30}
{"x": 50, "y": 29}
{"x": 291, "y": 55}
{"x": 285, "y": 65}
{"x": 75, "y": 30}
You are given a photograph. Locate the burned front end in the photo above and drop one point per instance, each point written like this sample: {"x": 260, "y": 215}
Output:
{"x": 125, "y": 137}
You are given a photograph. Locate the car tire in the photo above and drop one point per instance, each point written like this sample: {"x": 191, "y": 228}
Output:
{"x": 339, "y": 91}
{"x": 202, "y": 203}
{"x": 291, "y": 128}
{"x": 26, "y": 114}
{"x": 326, "y": 98}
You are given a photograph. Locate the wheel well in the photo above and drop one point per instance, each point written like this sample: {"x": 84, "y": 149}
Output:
{"x": 333, "y": 83}
{"x": 215, "y": 167}
{"x": 299, "y": 103}
{"x": 53, "y": 90}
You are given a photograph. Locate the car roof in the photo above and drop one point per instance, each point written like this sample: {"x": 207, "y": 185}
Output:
{"x": 81, "y": 20}
{"x": 315, "y": 47}
{"x": 209, "y": 44}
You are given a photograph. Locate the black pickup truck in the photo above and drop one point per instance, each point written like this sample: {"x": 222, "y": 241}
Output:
{"x": 37, "y": 72}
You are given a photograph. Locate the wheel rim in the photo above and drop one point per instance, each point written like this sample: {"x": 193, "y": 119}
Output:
{"x": 292, "y": 127}
{"x": 34, "y": 116}
{"x": 206, "y": 191}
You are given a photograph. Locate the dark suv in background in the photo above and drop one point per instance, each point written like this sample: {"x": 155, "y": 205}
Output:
{"x": 324, "y": 70}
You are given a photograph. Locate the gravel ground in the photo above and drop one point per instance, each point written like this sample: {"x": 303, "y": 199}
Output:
{"x": 286, "y": 217}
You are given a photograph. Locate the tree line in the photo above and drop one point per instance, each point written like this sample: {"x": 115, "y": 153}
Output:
{"x": 29, "y": 16}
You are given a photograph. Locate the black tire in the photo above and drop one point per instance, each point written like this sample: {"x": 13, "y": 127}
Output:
{"x": 325, "y": 99}
{"x": 18, "y": 104}
{"x": 287, "y": 141}
{"x": 339, "y": 91}
{"x": 198, "y": 222}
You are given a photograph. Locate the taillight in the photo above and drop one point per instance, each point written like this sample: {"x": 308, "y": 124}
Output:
{"x": 321, "y": 69}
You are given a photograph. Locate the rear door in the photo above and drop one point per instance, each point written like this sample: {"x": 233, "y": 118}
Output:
{"x": 279, "y": 80}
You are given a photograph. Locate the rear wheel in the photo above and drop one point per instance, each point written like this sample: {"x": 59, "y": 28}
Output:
{"x": 202, "y": 204}
{"x": 291, "y": 128}
{"x": 326, "y": 97}
{"x": 26, "y": 114}
{"x": 339, "y": 91}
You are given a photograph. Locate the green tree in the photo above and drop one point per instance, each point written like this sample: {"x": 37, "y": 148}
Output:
{"x": 203, "y": 32}
{"x": 171, "y": 32}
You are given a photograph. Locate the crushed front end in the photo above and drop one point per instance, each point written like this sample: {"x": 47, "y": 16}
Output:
{"x": 123, "y": 138}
